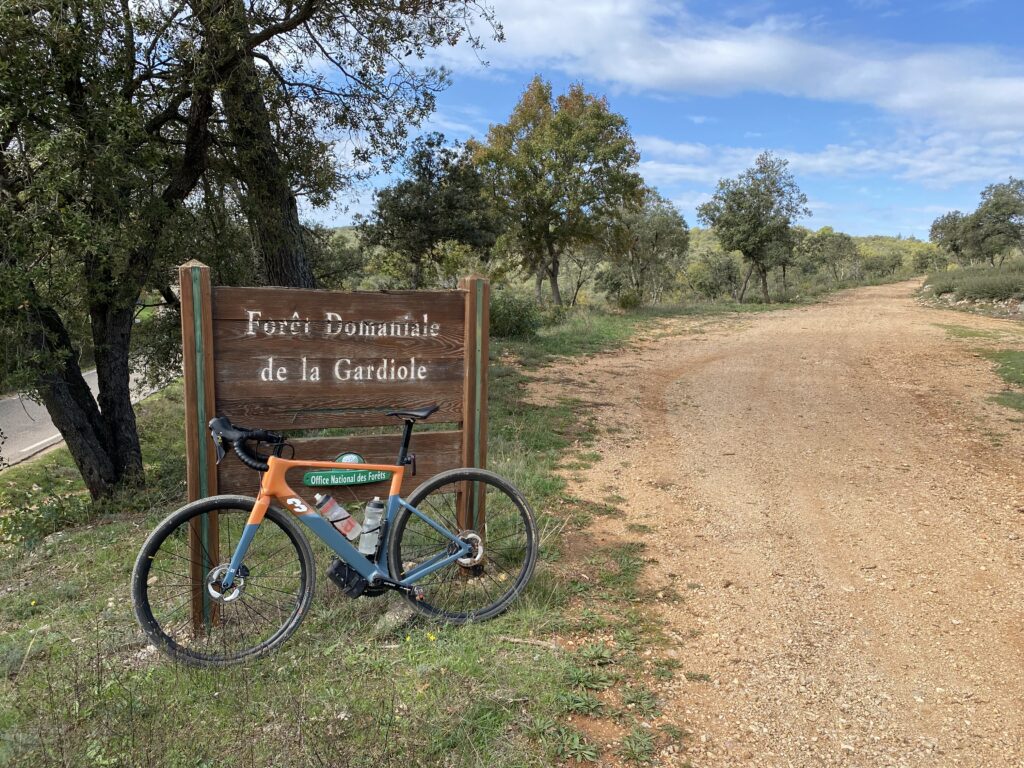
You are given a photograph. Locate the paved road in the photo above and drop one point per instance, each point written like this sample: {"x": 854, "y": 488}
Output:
{"x": 28, "y": 428}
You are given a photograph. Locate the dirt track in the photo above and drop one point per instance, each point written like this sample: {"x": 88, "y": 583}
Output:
{"x": 838, "y": 529}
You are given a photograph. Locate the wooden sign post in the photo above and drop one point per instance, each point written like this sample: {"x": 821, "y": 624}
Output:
{"x": 293, "y": 359}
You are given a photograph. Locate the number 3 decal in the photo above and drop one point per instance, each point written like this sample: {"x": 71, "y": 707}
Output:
{"x": 297, "y": 505}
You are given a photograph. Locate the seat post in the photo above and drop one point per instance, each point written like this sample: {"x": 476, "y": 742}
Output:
{"x": 406, "y": 437}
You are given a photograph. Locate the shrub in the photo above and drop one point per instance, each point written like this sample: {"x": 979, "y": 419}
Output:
{"x": 628, "y": 300}
{"x": 980, "y": 282}
{"x": 513, "y": 317}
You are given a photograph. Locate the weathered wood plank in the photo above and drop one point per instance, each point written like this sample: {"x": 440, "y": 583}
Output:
{"x": 200, "y": 463}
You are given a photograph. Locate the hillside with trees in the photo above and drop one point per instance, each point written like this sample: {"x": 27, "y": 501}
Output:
{"x": 135, "y": 137}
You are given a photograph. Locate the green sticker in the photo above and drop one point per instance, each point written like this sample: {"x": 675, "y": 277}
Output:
{"x": 344, "y": 477}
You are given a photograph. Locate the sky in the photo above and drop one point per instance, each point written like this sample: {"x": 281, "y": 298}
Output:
{"x": 890, "y": 113}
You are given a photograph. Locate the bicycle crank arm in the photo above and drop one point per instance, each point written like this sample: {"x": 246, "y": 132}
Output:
{"x": 409, "y": 590}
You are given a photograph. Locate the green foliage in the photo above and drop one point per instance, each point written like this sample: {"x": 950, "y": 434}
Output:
{"x": 596, "y": 654}
{"x": 994, "y": 231}
{"x": 641, "y": 700}
{"x": 573, "y": 745}
{"x": 628, "y": 299}
{"x": 638, "y": 746}
{"x": 644, "y": 248}
{"x": 827, "y": 249}
{"x": 557, "y": 169}
{"x": 711, "y": 272}
{"x": 590, "y": 678}
{"x": 756, "y": 211}
{"x": 579, "y": 702}
{"x": 980, "y": 283}
{"x": 439, "y": 201}
{"x": 514, "y": 317}
{"x": 882, "y": 264}
{"x": 337, "y": 257}
{"x": 1010, "y": 365}
{"x": 31, "y": 519}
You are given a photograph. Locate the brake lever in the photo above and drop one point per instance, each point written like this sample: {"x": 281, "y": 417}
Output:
{"x": 218, "y": 444}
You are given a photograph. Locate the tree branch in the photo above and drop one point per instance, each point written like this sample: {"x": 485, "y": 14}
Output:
{"x": 287, "y": 24}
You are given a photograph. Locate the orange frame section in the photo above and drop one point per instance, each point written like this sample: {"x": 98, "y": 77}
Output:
{"x": 274, "y": 486}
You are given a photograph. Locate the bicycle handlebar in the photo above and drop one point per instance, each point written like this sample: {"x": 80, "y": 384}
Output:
{"x": 222, "y": 430}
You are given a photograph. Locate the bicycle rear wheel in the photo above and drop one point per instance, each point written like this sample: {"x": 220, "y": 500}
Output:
{"x": 505, "y": 547}
{"x": 196, "y": 621}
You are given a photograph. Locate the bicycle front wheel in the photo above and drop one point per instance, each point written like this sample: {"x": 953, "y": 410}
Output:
{"x": 505, "y": 545}
{"x": 177, "y": 593}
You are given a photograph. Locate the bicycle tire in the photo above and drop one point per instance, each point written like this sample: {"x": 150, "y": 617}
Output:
{"x": 503, "y": 572}
{"x": 181, "y": 639}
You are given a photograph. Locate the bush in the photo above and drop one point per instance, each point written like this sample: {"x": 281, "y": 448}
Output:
{"x": 985, "y": 283}
{"x": 628, "y": 300}
{"x": 513, "y": 317}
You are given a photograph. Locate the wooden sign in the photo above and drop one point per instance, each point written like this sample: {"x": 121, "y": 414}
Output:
{"x": 288, "y": 359}
{"x": 292, "y": 360}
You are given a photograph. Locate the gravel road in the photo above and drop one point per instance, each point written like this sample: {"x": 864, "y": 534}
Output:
{"x": 837, "y": 523}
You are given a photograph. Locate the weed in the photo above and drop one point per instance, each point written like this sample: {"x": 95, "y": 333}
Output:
{"x": 697, "y": 677}
{"x": 579, "y": 702}
{"x": 573, "y": 745}
{"x": 641, "y": 700}
{"x": 626, "y": 639}
{"x": 638, "y": 746}
{"x": 673, "y": 732}
{"x": 591, "y": 678}
{"x": 664, "y": 669}
{"x": 589, "y": 620}
{"x": 596, "y": 654}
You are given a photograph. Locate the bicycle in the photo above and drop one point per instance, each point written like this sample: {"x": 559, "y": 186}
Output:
{"x": 255, "y": 599}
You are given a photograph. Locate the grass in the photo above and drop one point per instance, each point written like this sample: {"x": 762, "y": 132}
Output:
{"x": 963, "y": 332}
{"x": 1010, "y": 367}
{"x": 349, "y": 688}
{"x": 1009, "y": 363}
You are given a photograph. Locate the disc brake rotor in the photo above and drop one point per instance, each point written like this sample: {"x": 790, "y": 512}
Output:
{"x": 477, "y": 554}
{"x": 216, "y": 576}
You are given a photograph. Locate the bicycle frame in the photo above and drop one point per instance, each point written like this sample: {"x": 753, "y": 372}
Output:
{"x": 274, "y": 486}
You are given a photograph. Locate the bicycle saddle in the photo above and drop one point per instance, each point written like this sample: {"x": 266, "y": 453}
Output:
{"x": 414, "y": 414}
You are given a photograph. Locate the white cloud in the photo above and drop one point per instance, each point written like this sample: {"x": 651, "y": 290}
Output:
{"x": 937, "y": 161}
{"x": 651, "y": 46}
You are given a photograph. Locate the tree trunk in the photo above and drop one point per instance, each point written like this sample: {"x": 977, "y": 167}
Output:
{"x": 553, "y": 269}
{"x": 785, "y": 288}
{"x": 763, "y": 274}
{"x": 111, "y": 333}
{"x": 71, "y": 406}
{"x": 270, "y": 204}
{"x": 743, "y": 289}
{"x": 417, "y": 272}
{"x": 556, "y": 294}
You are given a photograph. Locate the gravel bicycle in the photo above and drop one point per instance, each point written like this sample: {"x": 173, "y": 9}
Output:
{"x": 256, "y": 590}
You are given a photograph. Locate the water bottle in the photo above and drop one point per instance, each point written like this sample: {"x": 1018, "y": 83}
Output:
{"x": 371, "y": 527}
{"x": 338, "y": 516}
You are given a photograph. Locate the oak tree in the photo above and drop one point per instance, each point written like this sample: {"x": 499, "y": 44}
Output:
{"x": 556, "y": 171}
{"x": 439, "y": 200}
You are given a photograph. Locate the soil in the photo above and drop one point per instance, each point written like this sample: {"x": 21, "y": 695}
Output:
{"x": 835, "y": 515}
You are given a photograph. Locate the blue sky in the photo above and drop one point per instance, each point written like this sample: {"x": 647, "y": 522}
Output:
{"x": 890, "y": 113}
